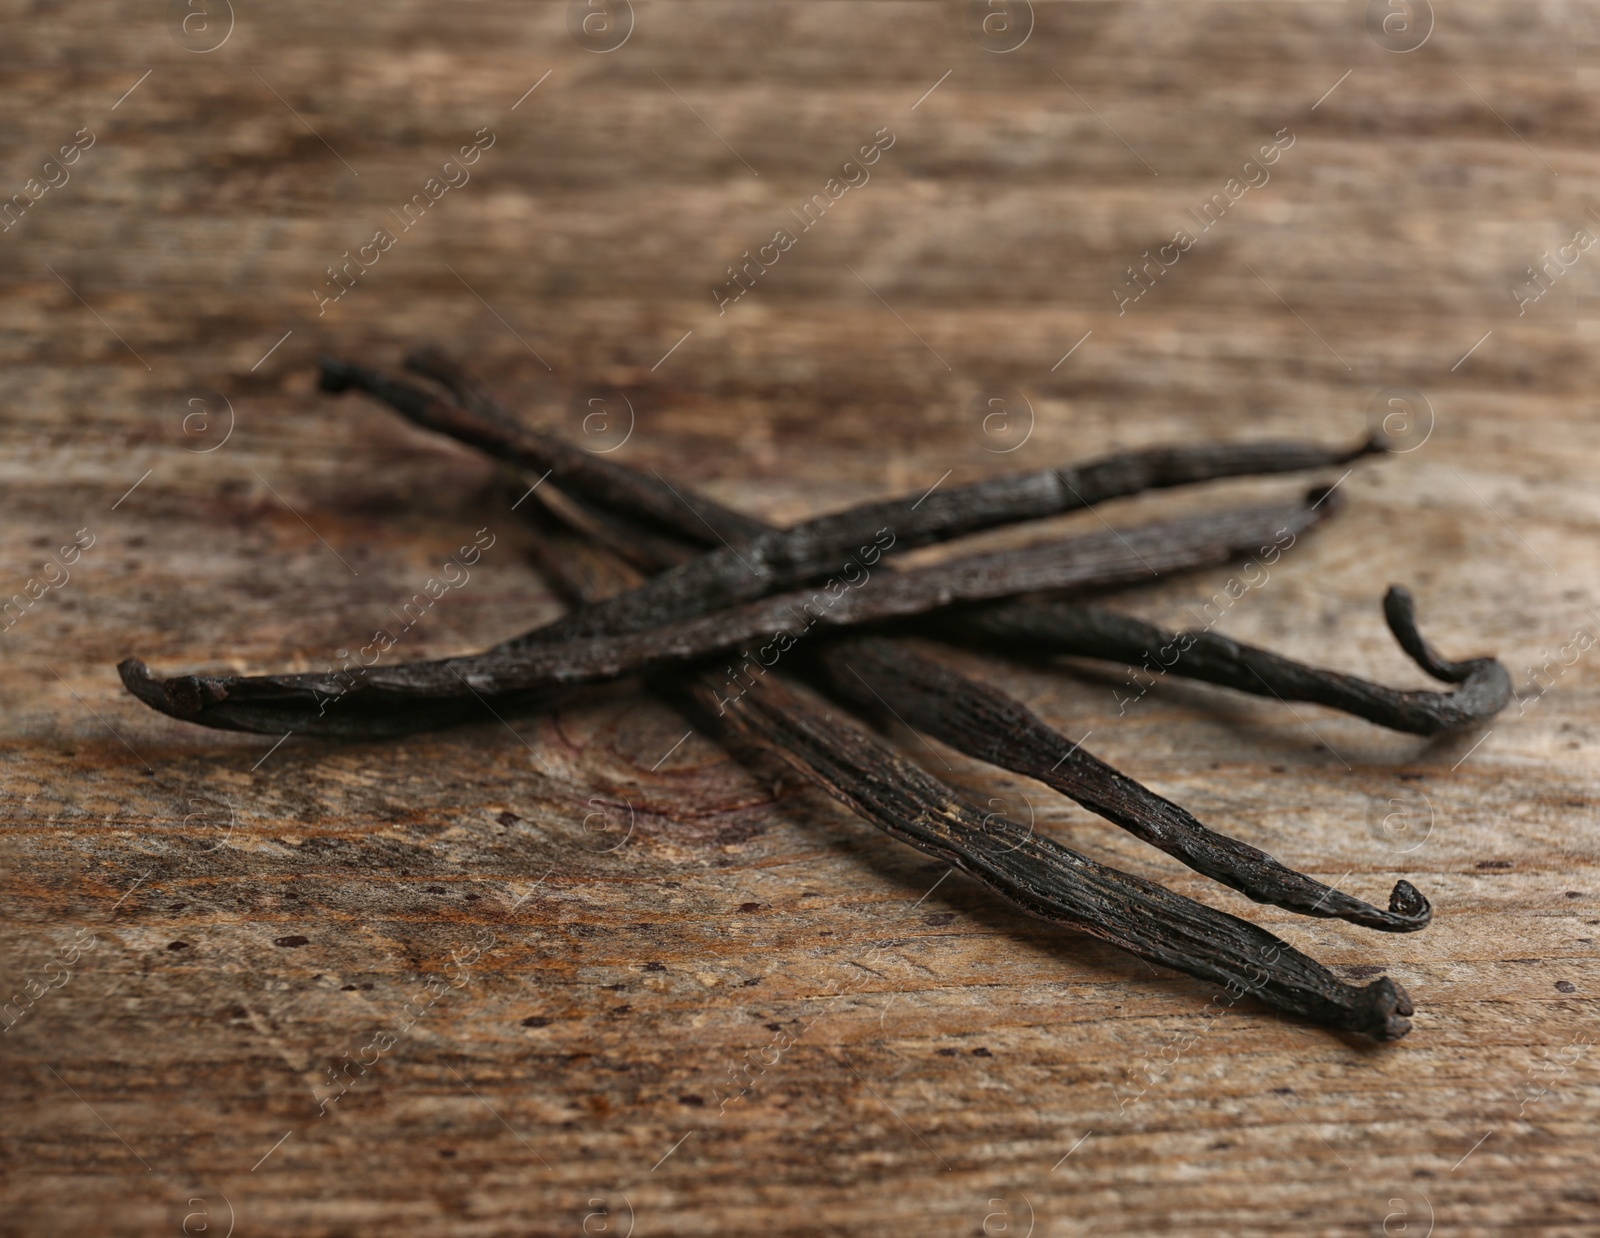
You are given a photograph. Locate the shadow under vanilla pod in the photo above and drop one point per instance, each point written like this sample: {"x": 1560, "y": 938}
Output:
{"x": 721, "y": 581}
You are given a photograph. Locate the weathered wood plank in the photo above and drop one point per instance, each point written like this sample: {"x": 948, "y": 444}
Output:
{"x": 669, "y": 928}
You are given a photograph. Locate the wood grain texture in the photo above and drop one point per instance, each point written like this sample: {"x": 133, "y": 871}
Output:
{"x": 713, "y": 1002}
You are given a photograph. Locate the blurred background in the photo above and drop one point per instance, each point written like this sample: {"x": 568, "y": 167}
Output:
{"x": 797, "y": 255}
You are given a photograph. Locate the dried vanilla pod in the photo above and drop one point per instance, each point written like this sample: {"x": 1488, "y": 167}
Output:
{"x": 304, "y": 701}
{"x": 1031, "y": 627}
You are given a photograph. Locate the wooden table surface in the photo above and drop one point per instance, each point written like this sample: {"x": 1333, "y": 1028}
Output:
{"x": 626, "y": 986}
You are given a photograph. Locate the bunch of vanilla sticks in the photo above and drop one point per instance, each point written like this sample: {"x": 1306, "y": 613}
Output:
{"x": 669, "y": 585}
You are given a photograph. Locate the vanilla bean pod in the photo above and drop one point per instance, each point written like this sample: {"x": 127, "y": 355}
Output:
{"x": 279, "y": 703}
{"x": 781, "y": 558}
{"x": 624, "y": 531}
{"x": 543, "y": 453}
{"x": 784, "y": 558}
{"x": 1041, "y": 876}
{"x": 877, "y": 675}
{"x": 1036, "y": 874}
{"x": 1029, "y": 627}
{"x": 621, "y": 488}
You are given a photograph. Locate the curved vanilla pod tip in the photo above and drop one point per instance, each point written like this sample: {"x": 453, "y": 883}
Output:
{"x": 1030, "y": 627}
{"x": 1486, "y": 687}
